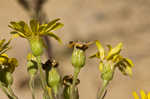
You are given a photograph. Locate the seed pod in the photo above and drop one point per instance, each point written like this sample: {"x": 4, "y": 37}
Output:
{"x": 36, "y": 45}
{"x": 53, "y": 79}
{"x": 32, "y": 68}
{"x": 78, "y": 58}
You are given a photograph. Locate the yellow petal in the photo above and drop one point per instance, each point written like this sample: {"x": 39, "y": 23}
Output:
{"x": 148, "y": 95}
{"x": 101, "y": 67}
{"x": 100, "y": 49}
{"x": 135, "y": 95}
{"x": 143, "y": 95}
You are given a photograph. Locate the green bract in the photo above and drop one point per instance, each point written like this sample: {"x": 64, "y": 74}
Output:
{"x": 78, "y": 55}
{"x": 34, "y": 32}
{"x": 78, "y": 58}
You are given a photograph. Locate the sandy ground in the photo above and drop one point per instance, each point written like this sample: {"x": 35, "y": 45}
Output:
{"x": 110, "y": 21}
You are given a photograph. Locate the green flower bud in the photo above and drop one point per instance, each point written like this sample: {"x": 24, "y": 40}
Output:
{"x": 36, "y": 45}
{"x": 53, "y": 79}
{"x": 32, "y": 68}
{"x": 78, "y": 58}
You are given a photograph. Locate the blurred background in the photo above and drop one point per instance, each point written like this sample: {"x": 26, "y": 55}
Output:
{"x": 110, "y": 21}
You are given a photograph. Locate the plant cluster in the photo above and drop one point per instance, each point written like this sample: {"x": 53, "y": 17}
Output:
{"x": 51, "y": 80}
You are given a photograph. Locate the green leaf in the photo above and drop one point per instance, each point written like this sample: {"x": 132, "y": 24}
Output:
{"x": 57, "y": 26}
{"x": 54, "y": 36}
{"x": 51, "y": 23}
{"x": 34, "y": 24}
{"x": 100, "y": 49}
{"x": 114, "y": 51}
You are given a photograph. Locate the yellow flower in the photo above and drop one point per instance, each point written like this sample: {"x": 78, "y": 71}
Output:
{"x": 113, "y": 59}
{"x": 143, "y": 95}
{"x": 34, "y": 32}
{"x": 6, "y": 63}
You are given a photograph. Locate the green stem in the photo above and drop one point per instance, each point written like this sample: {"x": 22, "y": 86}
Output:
{"x": 11, "y": 92}
{"x": 75, "y": 76}
{"x": 31, "y": 85}
{"x": 5, "y": 91}
{"x": 43, "y": 81}
{"x": 102, "y": 90}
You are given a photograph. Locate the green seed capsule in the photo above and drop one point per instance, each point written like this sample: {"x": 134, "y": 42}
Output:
{"x": 53, "y": 79}
{"x": 32, "y": 68}
{"x": 78, "y": 58}
{"x": 36, "y": 46}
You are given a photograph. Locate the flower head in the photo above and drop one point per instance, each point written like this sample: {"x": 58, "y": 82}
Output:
{"x": 34, "y": 32}
{"x": 143, "y": 95}
{"x": 7, "y": 65}
{"x": 111, "y": 60}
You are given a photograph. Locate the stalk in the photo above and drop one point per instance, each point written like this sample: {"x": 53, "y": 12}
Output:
{"x": 31, "y": 85}
{"x": 5, "y": 91}
{"x": 12, "y": 93}
{"x": 75, "y": 76}
{"x": 101, "y": 92}
{"x": 47, "y": 95}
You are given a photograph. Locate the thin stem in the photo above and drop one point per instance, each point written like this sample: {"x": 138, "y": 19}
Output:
{"x": 11, "y": 92}
{"x": 43, "y": 81}
{"x": 31, "y": 85}
{"x": 75, "y": 76}
{"x": 101, "y": 92}
{"x": 5, "y": 91}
